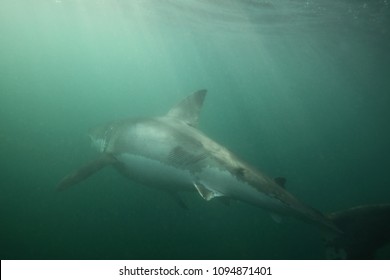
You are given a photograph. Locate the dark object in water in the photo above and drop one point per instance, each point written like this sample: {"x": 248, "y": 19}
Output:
{"x": 365, "y": 230}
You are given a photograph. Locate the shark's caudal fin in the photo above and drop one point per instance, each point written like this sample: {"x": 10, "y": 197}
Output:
{"x": 365, "y": 230}
{"x": 188, "y": 109}
{"x": 85, "y": 171}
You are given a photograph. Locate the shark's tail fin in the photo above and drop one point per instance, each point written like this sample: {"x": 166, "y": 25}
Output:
{"x": 365, "y": 229}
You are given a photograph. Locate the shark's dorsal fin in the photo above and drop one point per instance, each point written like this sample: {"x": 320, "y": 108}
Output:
{"x": 188, "y": 109}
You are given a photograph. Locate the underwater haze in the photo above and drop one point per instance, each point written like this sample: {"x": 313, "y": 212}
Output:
{"x": 299, "y": 89}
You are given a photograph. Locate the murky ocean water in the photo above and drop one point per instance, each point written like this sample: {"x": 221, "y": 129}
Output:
{"x": 299, "y": 89}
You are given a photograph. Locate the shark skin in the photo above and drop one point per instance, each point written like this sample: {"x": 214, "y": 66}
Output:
{"x": 171, "y": 154}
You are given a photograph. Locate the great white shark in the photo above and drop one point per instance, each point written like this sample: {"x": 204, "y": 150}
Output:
{"x": 171, "y": 154}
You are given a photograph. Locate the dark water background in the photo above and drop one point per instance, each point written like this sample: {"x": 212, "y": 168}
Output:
{"x": 300, "y": 89}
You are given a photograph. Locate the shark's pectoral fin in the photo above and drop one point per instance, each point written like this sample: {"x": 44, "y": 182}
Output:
{"x": 206, "y": 193}
{"x": 85, "y": 171}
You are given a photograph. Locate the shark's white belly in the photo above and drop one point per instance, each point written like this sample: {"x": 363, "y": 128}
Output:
{"x": 223, "y": 183}
{"x": 220, "y": 182}
{"x": 155, "y": 173}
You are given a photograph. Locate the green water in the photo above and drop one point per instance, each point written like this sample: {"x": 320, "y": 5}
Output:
{"x": 299, "y": 89}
